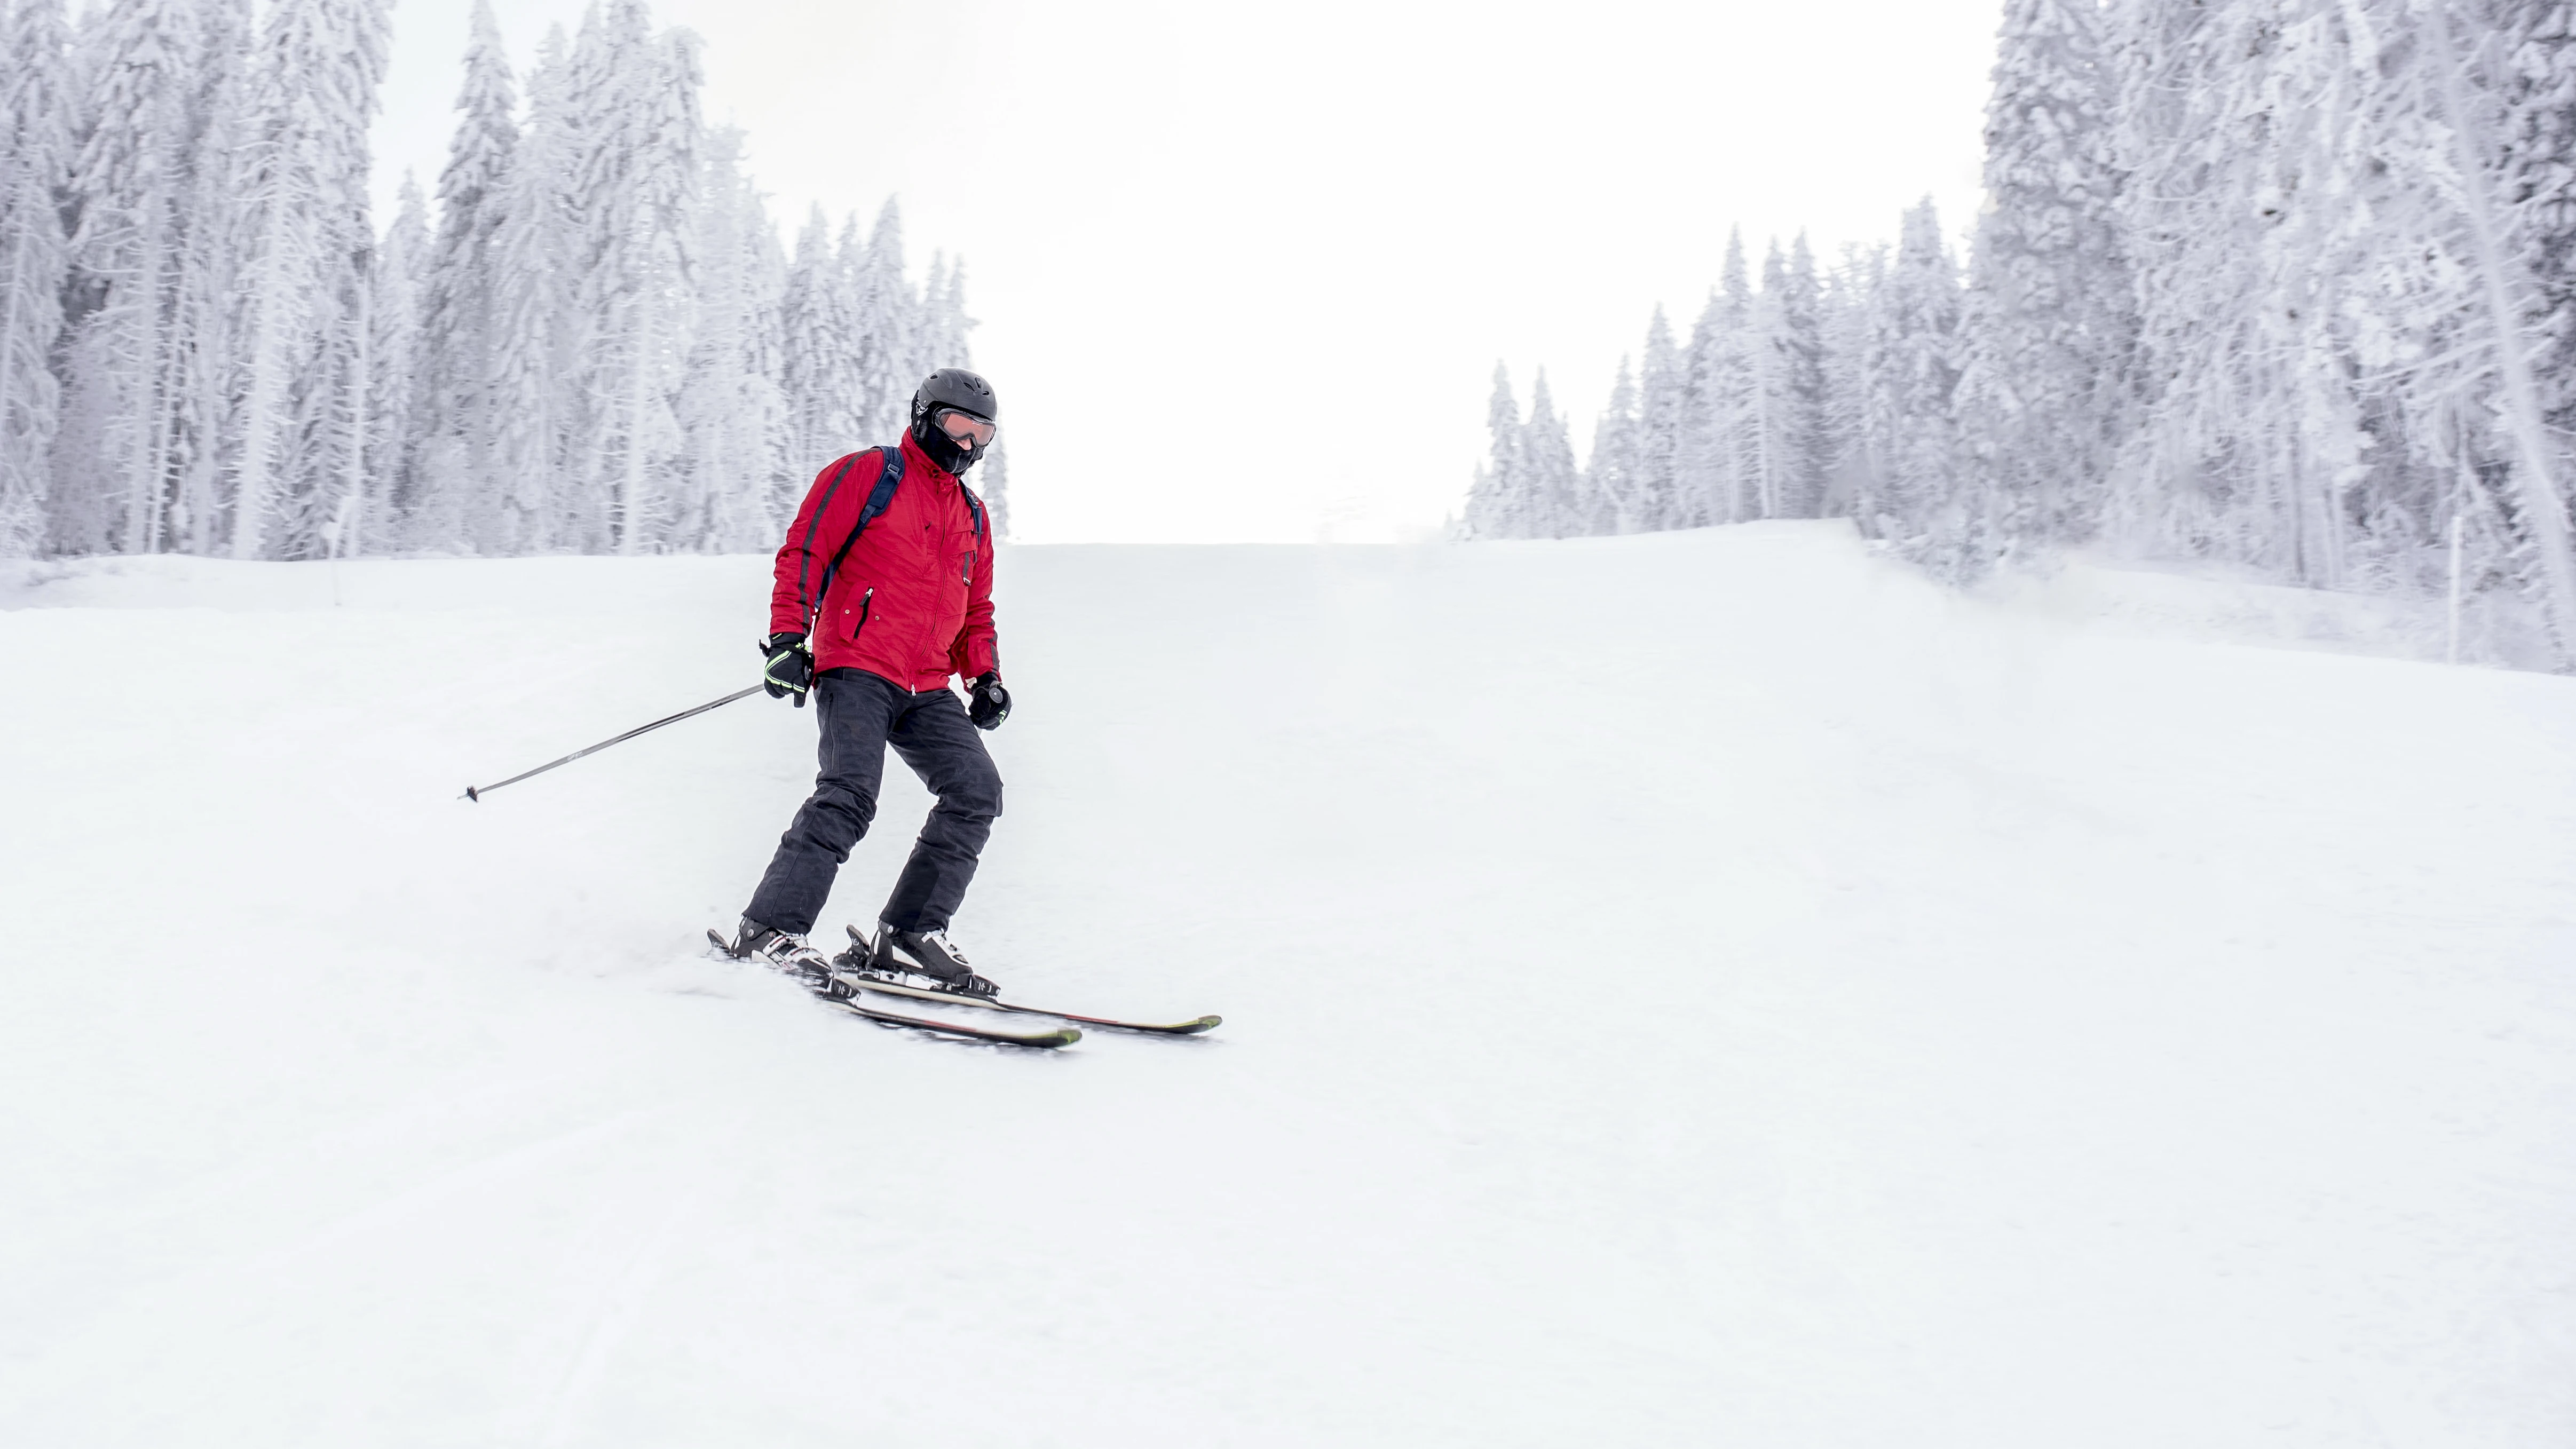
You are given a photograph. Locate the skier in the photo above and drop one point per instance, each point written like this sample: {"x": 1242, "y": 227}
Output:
{"x": 883, "y": 592}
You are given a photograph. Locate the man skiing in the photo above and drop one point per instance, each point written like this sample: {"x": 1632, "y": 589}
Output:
{"x": 883, "y": 592}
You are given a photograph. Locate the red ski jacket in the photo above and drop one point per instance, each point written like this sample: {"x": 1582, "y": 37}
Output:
{"x": 913, "y": 602}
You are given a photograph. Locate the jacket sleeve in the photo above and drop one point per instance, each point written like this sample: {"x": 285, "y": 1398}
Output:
{"x": 831, "y": 505}
{"x": 975, "y": 652}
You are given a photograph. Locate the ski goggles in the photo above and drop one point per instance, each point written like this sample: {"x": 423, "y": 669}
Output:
{"x": 965, "y": 429}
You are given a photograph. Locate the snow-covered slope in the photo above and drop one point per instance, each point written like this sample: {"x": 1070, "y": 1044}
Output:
{"x": 1691, "y": 989}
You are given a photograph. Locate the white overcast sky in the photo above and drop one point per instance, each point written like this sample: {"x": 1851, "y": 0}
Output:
{"x": 1244, "y": 271}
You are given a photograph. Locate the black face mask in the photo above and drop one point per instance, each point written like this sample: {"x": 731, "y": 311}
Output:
{"x": 943, "y": 449}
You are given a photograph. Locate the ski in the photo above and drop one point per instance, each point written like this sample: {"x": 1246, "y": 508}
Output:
{"x": 865, "y": 981}
{"x": 1060, "y": 1037}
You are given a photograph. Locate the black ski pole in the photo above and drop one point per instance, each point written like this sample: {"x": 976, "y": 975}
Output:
{"x": 476, "y": 793}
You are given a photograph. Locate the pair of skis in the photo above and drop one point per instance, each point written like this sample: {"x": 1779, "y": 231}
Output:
{"x": 842, "y": 988}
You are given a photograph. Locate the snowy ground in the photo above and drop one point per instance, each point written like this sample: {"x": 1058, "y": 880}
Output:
{"x": 1684, "y": 990}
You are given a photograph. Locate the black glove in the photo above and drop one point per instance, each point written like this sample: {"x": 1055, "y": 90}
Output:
{"x": 987, "y": 702}
{"x": 788, "y": 668}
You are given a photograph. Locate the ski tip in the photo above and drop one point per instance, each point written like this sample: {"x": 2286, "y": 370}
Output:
{"x": 1064, "y": 1038}
{"x": 1204, "y": 1023}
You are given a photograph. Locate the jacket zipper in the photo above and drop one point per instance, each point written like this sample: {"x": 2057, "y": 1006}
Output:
{"x": 867, "y": 601}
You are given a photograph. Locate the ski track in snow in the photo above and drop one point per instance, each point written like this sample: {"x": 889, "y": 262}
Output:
{"x": 1688, "y": 989}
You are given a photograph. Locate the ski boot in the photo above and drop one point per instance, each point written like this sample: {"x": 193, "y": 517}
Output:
{"x": 929, "y": 955}
{"x": 787, "y": 952}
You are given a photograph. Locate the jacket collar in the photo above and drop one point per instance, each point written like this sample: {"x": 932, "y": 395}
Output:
{"x": 915, "y": 459}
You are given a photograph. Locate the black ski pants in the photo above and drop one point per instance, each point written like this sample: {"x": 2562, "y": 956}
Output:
{"x": 860, "y": 715}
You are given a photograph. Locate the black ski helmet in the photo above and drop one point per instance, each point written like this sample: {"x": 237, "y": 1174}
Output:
{"x": 951, "y": 387}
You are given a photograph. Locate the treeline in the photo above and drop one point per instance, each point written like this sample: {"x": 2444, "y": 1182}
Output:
{"x": 2285, "y": 283}
{"x": 595, "y": 344}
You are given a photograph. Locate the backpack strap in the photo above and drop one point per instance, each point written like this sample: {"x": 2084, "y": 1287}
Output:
{"x": 814, "y": 525}
{"x": 880, "y": 498}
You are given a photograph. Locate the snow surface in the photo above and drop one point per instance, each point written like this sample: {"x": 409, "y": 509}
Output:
{"x": 1704, "y": 988}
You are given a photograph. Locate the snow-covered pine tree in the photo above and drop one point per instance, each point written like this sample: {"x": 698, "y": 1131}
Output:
{"x": 599, "y": 74}
{"x": 2535, "y": 49}
{"x": 303, "y": 182}
{"x": 819, "y": 357}
{"x": 329, "y": 489}
{"x": 538, "y": 335}
{"x": 1662, "y": 388}
{"x": 2217, "y": 107}
{"x": 993, "y": 485}
{"x": 201, "y": 374}
{"x": 1701, "y": 463}
{"x": 459, "y": 494}
{"x": 1498, "y": 504}
{"x": 1549, "y": 478}
{"x": 637, "y": 183}
{"x": 1610, "y": 480}
{"x": 888, "y": 316}
{"x": 2451, "y": 111}
{"x": 386, "y": 424}
{"x": 1787, "y": 376}
{"x": 2535, "y": 75}
{"x": 1850, "y": 459}
{"x": 36, "y": 151}
{"x": 942, "y": 333}
{"x": 2050, "y": 322}
{"x": 1729, "y": 391}
{"x": 138, "y": 253}
{"x": 1913, "y": 372}
{"x": 731, "y": 408}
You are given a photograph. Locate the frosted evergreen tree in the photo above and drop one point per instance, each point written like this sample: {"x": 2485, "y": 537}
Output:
{"x": 386, "y": 421}
{"x": 461, "y": 457}
{"x": 944, "y": 324}
{"x": 139, "y": 254}
{"x": 1846, "y": 312}
{"x": 2051, "y": 321}
{"x": 1914, "y": 371}
{"x": 2535, "y": 45}
{"x": 538, "y": 336}
{"x": 303, "y": 181}
{"x": 1720, "y": 439}
{"x": 888, "y": 315}
{"x": 1787, "y": 383}
{"x": 1498, "y": 506}
{"x": 199, "y": 377}
{"x": 636, "y": 183}
{"x": 732, "y": 410}
{"x": 2536, "y": 177}
{"x": 820, "y": 356}
{"x": 1611, "y": 479}
{"x": 2464, "y": 107}
{"x": 1549, "y": 479}
{"x": 1701, "y": 450}
{"x": 1662, "y": 390}
{"x": 993, "y": 485}
{"x": 2236, "y": 129}
{"x": 36, "y": 151}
